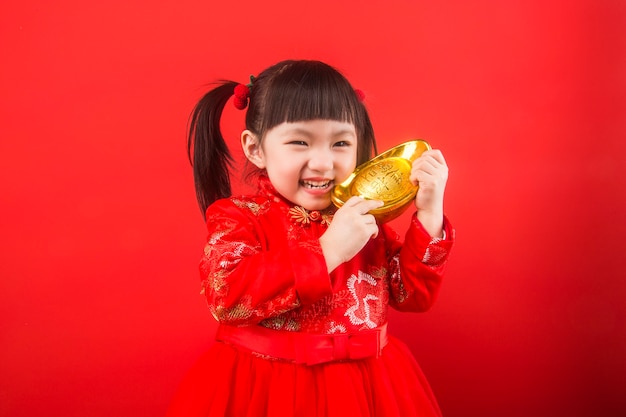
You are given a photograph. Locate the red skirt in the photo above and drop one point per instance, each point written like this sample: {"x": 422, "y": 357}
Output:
{"x": 229, "y": 382}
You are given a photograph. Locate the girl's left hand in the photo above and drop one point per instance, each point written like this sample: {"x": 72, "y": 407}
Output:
{"x": 431, "y": 172}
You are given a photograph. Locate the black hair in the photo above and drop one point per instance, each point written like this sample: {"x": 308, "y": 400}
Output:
{"x": 289, "y": 91}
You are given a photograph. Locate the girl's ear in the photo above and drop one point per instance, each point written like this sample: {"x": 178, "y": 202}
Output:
{"x": 252, "y": 149}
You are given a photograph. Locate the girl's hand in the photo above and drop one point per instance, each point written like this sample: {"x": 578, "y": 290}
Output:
{"x": 352, "y": 227}
{"x": 431, "y": 172}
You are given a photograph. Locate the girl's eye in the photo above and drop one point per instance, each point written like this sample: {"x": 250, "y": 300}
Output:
{"x": 342, "y": 143}
{"x": 297, "y": 142}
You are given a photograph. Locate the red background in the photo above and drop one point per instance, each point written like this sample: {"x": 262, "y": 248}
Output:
{"x": 100, "y": 234}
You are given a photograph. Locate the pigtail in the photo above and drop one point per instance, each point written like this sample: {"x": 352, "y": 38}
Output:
{"x": 367, "y": 147}
{"x": 206, "y": 148}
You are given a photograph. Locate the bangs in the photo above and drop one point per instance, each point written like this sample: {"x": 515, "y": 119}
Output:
{"x": 309, "y": 92}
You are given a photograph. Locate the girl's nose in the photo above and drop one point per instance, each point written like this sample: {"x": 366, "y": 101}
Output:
{"x": 321, "y": 160}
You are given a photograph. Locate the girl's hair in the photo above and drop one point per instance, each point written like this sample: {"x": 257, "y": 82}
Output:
{"x": 289, "y": 91}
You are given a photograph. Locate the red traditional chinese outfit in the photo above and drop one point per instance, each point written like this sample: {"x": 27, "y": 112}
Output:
{"x": 295, "y": 340}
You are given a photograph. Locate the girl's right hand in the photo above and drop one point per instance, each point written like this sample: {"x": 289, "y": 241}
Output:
{"x": 350, "y": 230}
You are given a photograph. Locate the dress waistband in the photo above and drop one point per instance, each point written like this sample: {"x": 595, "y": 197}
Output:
{"x": 305, "y": 348}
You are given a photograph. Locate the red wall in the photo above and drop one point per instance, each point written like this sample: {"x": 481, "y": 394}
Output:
{"x": 100, "y": 234}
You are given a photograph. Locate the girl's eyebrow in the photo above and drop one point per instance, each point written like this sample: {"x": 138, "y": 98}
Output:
{"x": 310, "y": 133}
{"x": 298, "y": 131}
{"x": 344, "y": 132}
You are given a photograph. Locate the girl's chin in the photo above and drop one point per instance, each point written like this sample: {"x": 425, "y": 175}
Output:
{"x": 318, "y": 204}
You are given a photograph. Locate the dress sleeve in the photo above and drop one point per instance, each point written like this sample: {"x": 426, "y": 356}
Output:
{"x": 248, "y": 276}
{"x": 417, "y": 266}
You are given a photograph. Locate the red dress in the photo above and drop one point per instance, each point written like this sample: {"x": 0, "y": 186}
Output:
{"x": 266, "y": 283}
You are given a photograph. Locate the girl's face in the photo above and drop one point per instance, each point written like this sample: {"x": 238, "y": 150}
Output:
{"x": 304, "y": 160}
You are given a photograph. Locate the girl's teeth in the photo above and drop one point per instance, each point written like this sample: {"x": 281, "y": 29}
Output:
{"x": 316, "y": 184}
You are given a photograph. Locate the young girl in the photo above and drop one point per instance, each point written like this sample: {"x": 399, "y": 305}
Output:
{"x": 300, "y": 289}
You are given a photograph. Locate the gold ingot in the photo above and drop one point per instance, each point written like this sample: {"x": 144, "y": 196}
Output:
{"x": 384, "y": 177}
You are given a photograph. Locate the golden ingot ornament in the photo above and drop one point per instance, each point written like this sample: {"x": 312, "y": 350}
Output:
{"x": 384, "y": 177}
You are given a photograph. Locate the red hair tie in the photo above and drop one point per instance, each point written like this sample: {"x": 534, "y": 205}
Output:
{"x": 242, "y": 94}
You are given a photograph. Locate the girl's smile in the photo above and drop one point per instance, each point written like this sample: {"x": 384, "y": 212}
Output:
{"x": 316, "y": 184}
{"x": 317, "y": 187}
{"x": 304, "y": 160}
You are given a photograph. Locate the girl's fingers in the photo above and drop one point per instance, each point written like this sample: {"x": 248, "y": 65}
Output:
{"x": 436, "y": 155}
{"x": 363, "y": 205}
{"x": 430, "y": 164}
{"x": 433, "y": 157}
{"x": 368, "y": 205}
{"x": 353, "y": 201}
